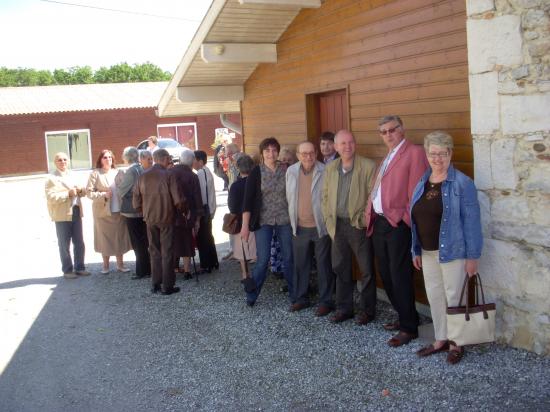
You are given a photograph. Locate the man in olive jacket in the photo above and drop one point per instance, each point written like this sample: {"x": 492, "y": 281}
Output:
{"x": 345, "y": 195}
{"x": 65, "y": 209}
{"x": 156, "y": 195}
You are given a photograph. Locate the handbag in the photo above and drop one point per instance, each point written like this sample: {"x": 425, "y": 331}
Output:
{"x": 231, "y": 224}
{"x": 470, "y": 325}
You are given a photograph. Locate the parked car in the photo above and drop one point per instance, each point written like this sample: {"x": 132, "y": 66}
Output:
{"x": 173, "y": 147}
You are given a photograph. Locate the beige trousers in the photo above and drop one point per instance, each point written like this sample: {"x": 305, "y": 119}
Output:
{"x": 443, "y": 283}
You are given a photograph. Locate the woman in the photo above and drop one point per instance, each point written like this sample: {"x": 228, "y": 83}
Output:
{"x": 110, "y": 233}
{"x": 231, "y": 153}
{"x": 243, "y": 250}
{"x": 446, "y": 236}
{"x": 265, "y": 212}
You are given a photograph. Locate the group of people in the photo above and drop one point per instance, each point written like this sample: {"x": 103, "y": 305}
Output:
{"x": 160, "y": 210}
{"x": 412, "y": 210}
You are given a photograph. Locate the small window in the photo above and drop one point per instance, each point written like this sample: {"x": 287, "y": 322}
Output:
{"x": 183, "y": 133}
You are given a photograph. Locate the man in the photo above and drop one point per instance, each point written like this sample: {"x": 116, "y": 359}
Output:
{"x": 146, "y": 159}
{"x": 137, "y": 229}
{"x": 388, "y": 223}
{"x": 156, "y": 196}
{"x": 345, "y": 195}
{"x": 65, "y": 209}
{"x": 304, "y": 183}
{"x": 205, "y": 240}
{"x": 327, "y": 147}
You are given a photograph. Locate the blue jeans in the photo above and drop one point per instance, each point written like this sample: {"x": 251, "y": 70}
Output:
{"x": 67, "y": 231}
{"x": 263, "y": 252}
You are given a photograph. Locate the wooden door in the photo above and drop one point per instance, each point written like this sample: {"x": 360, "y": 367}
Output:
{"x": 326, "y": 112}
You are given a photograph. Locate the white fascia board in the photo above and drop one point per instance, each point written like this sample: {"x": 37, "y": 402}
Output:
{"x": 310, "y": 4}
{"x": 190, "y": 94}
{"x": 239, "y": 52}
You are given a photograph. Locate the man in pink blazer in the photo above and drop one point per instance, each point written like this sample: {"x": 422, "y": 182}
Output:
{"x": 388, "y": 223}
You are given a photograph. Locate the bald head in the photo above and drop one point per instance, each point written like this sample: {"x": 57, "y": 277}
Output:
{"x": 307, "y": 154}
{"x": 344, "y": 143}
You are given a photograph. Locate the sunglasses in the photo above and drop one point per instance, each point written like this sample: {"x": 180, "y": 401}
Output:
{"x": 389, "y": 131}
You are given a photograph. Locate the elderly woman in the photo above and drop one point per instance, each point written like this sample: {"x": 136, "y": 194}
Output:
{"x": 110, "y": 233}
{"x": 146, "y": 159}
{"x": 287, "y": 156}
{"x": 265, "y": 212}
{"x": 243, "y": 250}
{"x": 446, "y": 236}
{"x": 187, "y": 225}
{"x": 137, "y": 229}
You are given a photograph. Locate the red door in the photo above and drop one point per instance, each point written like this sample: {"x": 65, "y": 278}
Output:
{"x": 333, "y": 111}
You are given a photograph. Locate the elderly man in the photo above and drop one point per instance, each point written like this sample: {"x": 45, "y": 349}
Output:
{"x": 137, "y": 229}
{"x": 187, "y": 225}
{"x": 65, "y": 208}
{"x": 388, "y": 223}
{"x": 304, "y": 183}
{"x": 156, "y": 195}
{"x": 326, "y": 145}
{"x": 345, "y": 195}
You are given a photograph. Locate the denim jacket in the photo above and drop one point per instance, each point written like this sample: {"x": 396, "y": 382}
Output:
{"x": 460, "y": 232}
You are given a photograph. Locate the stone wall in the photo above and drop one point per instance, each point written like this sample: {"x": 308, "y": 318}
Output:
{"x": 509, "y": 65}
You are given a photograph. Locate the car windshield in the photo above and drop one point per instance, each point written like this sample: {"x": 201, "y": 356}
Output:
{"x": 163, "y": 144}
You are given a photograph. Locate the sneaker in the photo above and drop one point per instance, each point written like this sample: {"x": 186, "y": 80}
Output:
{"x": 69, "y": 275}
{"x": 82, "y": 273}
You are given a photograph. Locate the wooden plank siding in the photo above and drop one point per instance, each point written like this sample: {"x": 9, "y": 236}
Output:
{"x": 405, "y": 57}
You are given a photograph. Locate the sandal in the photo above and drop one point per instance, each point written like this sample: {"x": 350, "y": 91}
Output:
{"x": 430, "y": 350}
{"x": 455, "y": 355}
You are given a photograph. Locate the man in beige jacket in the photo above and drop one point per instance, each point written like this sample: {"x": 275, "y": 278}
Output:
{"x": 63, "y": 196}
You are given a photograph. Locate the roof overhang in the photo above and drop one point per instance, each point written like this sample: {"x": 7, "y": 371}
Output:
{"x": 233, "y": 38}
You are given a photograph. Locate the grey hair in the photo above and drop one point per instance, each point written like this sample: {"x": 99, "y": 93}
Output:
{"x": 130, "y": 154}
{"x": 231, "y": 148}
{"x": 439, "y": 138}
{"x": 145, "y": 154}
{"x": 187, "y": 157}
{"x": 245, "y": 164}
{"x": 237, "y": 156}
{"x": 390, "y": 118}
{"x": 160, "y": 154}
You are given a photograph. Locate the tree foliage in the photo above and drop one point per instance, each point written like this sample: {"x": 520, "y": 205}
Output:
{"x": 119, "y": 73}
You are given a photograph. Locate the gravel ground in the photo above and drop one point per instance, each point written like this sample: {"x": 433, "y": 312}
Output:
{"x": 104, "y": 343}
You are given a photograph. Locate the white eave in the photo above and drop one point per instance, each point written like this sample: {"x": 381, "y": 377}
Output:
{"x": 233, "y": 38}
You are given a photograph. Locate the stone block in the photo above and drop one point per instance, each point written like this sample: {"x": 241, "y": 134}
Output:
{"x": 482, "y": 164}
{"x": 485, "y": 210}
{"x": 539, "y": 179}
{"x": 525, "y": 114}
{"x": 494, "y": 42}
{"x": 534, "y": 19}
{"x": 525, "y": 4}
{"x": 520, "y": 72}
{"x": 499, "y": 265}
{"x": 502, "y": 161}
{"x": 484, "y": 103}
{"x": 479, "y": 6}
{"x": 519, "y": 232}
{"x": 510, "y": 209}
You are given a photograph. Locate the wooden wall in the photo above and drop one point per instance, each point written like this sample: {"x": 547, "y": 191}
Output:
{"x": 405, "y": 57}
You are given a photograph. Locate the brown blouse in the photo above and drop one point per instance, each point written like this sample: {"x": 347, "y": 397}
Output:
{"x": 427, "y": 214}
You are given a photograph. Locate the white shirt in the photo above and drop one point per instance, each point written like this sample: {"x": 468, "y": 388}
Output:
{"x": 377, "y": 201}
{"x": 206, "y": 180}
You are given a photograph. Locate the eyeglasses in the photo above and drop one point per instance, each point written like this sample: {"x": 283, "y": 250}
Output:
{"x": 389, "y": 131}
{"x": 440, "y": 155}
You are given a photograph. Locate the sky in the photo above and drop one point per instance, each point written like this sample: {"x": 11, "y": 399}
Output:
{"x": 44, "y": 34}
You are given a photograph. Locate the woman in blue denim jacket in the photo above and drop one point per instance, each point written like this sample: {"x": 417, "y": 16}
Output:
{"x": 446, "y": 236}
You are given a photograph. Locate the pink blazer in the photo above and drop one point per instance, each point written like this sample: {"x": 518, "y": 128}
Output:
{"x": 398, "y": 183}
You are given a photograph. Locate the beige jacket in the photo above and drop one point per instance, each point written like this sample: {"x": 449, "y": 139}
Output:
{"x": 363, "y": 173}
{"x": 57, "y": 195}
{"x": 95, "y": 190}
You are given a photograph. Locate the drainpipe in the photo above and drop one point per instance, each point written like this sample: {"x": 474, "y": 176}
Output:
{"x": 230, "y": 125}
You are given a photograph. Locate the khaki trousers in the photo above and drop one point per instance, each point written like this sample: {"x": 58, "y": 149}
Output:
{"x": 443, "y": 283}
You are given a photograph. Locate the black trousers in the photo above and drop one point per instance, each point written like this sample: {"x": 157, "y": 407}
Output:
{"x": 348, "y": 240}
{"x": 137, "y": 230}
{"x": 161, "y": 249}
{"x": 206, "y": 244}
{"x": 392, "y": 248}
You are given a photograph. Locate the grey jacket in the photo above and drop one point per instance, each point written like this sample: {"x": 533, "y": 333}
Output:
{"x": 292, "y": 178}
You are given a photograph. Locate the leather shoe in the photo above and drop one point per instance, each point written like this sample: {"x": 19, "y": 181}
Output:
{"x": 295, "y": 307}
{"x": 187, "y": 276}
{"x": 155, "y": 289}
{"x": 455, "y": 355}
{"x": 339, "y": 317}
{"x": 430, "y": 350}
{"x": 391, "y": 326}
{"x": 323, "y": 311}
{"x": 134, "y": 276}
{"x": 402, "y": 338}
{"x": 82, "y": 272}
{"x": 362, "y": 319}
{"x": 174, "y": 289}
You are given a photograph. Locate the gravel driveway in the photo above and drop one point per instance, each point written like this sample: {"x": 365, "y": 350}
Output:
{"x": 104, "y": 343}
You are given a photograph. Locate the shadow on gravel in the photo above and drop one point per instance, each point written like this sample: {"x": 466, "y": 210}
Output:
{"x": 26, "y": 282}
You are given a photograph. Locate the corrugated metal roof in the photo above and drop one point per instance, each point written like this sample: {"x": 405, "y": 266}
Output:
{"x": 82, "y": 97}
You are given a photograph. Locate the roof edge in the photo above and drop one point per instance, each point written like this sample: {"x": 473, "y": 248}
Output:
{"x": 200, "y": 35}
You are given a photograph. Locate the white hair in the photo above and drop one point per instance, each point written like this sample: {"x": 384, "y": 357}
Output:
{"x": 187, "y": 157}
